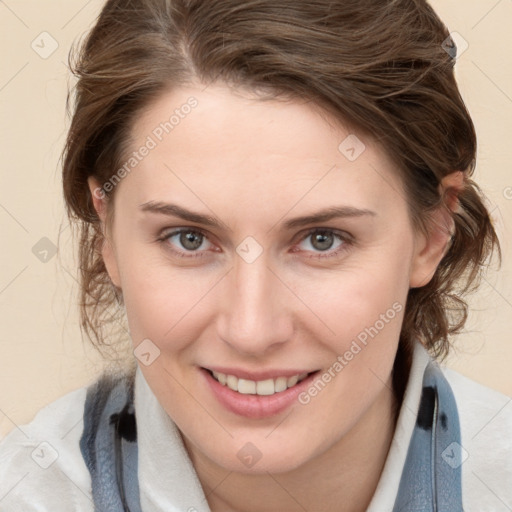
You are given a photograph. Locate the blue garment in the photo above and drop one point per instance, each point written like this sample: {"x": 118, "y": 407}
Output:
{"x": 430, "y": 482}
{"x": 431, "y": 478}
{"x": 109, "y": 445}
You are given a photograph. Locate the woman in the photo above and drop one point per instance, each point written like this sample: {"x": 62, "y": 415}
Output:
{"x": 278, "y": 196}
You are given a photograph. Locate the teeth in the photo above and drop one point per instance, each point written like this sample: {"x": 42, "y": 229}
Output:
{"x": 292, "y": 381}
{"x": 246, "y": 387}
{"x": 262, "y": 387}
{"x": 280, "y": 384}
{"x": 232, "y": 382}
{"x": 265, "y": 387}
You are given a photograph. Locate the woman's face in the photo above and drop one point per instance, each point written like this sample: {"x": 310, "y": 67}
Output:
{"x": 256, "y": 240}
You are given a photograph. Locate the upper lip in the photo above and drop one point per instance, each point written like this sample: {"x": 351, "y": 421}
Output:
{"x": 257, "y": 375}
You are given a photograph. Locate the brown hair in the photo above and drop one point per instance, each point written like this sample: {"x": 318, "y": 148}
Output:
{"x": 382, "y": 66}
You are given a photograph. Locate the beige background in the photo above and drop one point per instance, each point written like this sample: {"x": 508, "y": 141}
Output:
{"x": 42, "y": 354}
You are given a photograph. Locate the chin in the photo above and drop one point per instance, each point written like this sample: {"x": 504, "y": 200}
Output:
{"x": 260, "y": 457}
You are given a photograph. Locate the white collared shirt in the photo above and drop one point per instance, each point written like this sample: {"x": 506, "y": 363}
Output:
{"x": 42, "y": 468}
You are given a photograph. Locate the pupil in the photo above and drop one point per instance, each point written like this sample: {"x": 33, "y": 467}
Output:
{"x": 322, "y": 241}
{"x": 191, "y": 240}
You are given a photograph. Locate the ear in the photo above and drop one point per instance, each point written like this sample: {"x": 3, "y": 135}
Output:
{"x": 99, "y": 200}
{"x": 431, "y": 247}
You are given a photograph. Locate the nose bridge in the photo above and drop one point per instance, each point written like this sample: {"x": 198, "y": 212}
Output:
{"x": 254, "y": 318}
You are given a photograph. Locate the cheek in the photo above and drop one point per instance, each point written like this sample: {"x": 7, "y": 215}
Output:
{"x": 164, "y": 301}
{"x": 367, "y": 292}
{"x": 364, "y": 307}
{"x": 160, "y": 300}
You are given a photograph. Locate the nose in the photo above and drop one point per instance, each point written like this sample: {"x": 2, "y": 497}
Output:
{"x": 255, "y": 316}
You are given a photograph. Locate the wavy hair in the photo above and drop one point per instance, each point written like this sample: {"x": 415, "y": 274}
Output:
{"x": 385, "y": 67}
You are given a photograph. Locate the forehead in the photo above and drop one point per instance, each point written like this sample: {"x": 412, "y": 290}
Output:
{"x": 231, "y": 144}
{"x": 220, "y": 115}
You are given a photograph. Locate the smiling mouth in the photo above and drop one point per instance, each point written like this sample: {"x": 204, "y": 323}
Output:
{"x": 265, "y": 387}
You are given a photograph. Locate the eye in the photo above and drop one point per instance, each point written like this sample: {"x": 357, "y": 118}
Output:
{"x": 324, "y": 241}
{"x": 186, "y": 242}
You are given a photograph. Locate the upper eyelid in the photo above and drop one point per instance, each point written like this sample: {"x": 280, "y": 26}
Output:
{"x": 341, "y": 233}
{"x": 166, "y": 234}
{"x": 299, "y": 237}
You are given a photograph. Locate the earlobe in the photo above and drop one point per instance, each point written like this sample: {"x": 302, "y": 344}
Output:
{"x": 107, "y": 248}
{"x": 431, "y": 247}
{"x": 430, "y": 251}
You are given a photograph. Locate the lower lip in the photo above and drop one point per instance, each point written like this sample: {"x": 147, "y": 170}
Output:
{"x": 256, "y": 406}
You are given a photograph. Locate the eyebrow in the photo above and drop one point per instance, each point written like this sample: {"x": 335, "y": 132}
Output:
{"x": 334, "y": 212}
{"x": 173, "y": 210}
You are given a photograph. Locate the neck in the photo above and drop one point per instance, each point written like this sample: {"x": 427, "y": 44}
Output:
{"x": 346, "y": 474}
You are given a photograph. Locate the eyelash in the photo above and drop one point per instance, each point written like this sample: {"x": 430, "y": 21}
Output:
{"x": 342, "y": 236}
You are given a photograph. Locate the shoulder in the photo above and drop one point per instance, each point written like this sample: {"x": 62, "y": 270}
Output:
{"x": 483, "y": 412}
{"x": 486, "y": 437}
{"x": 41, "y": 466}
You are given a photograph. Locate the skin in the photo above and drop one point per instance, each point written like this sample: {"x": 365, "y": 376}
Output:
{"x": 253, "y": 165}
